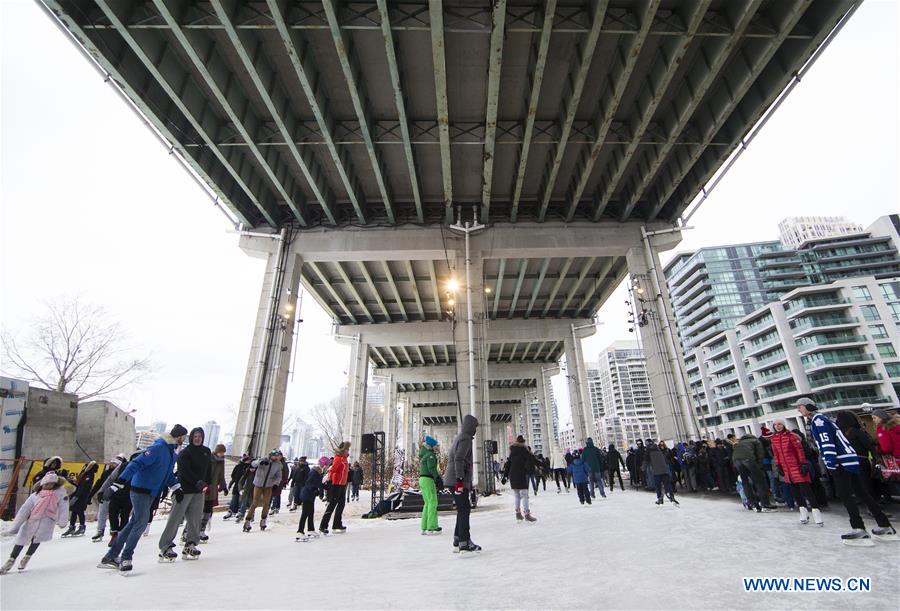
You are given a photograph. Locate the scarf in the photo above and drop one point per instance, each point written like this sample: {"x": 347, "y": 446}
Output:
{"x": 47, "y": 504}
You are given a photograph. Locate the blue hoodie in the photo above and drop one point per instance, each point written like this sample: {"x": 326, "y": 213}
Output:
{"x": 581, "y": 473}
{"x": 153, "y": 470}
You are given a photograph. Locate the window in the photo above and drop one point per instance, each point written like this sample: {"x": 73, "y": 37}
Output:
{"x": 878, "y": 331}
{"x": 890, "y": 291}
{"x": 895, "y": 310}
{"x": 893, "y": 370}
{"x": 870, "y": 312}
{"x": 886, "y": 350}
{"x": 862, "y": 293}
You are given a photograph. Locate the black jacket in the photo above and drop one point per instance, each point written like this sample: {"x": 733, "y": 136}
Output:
{"x": 194, "y": 466}
{"x": 299, "y": 475}
{"x": 236, "y": 474}
{"x": 356, "y": 476}
{"x": 519, "y": 466}
{"x": 614, "y": 459}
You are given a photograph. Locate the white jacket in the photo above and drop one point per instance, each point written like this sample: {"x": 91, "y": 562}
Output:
{"x": 38, "y": 531}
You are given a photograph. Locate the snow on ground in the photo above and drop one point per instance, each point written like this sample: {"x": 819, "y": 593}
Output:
{"x": 623, "y": 552}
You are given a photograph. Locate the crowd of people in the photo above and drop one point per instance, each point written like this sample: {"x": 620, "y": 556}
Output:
{"x": 780, "y": 467}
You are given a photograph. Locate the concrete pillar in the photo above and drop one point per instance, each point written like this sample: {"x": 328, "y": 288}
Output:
{"x": 543, "y": 394}
{"x": 576, "y": 380}
{"x": 261, "y": 413}
{"x": 357, "y": 380}
{"x": 665, "y": 366}
{"x": 389, "y": 424}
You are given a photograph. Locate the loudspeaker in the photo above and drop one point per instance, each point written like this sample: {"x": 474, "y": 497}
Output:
{"x": 493, "y": 446}
{"x": 368, "y": 443}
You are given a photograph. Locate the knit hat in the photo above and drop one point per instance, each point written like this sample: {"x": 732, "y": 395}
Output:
{"x": 766, "y": 432}
{"x": 881, "y": 413}
{"x": 178, "y": 431}
{"x": 430, "y": 441}
{"x": 220, "y": 447}
{"x": 520, "y": 439}
{"x": 323, "y": 461}
{"x": 805, "y": 402}
{"x": 49, "y": 478}
{"x": 343, "y": 448}
{"x": 245, "y": 457}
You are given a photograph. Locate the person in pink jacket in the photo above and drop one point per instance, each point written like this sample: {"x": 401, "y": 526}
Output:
{"x": 46, "y": 508}
{"x": 887, "y": 428}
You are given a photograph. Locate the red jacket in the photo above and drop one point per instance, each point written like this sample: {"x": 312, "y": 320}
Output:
{"x": 889, "y": 440}
{"x": 789, "y": 456}
{"x": 339, "y": 470}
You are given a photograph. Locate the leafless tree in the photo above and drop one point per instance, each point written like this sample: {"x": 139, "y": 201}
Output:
{"x": 75, "y": 348}
{"x": 331, "y": 419}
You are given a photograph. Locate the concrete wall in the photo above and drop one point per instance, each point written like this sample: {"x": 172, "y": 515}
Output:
{"x": 50, "y": 425}
{"x": 104, "y": 430}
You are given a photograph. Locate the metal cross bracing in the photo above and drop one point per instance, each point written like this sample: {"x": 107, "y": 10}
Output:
{"x": 384, "y": 113}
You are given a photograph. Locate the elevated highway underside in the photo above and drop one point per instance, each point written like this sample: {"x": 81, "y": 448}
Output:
{"x": 350, "y": 136}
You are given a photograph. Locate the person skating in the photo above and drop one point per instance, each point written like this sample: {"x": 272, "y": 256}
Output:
{"x": 246, "y": 491}
{"x": 78, "y": 501}
{"x": 520, "y": 465}
{"x": 887, "y": 430}
{"x": 843, "y": 466}
{"x": 216, "y": 484}
{"x": 194, "y": 471}
{"x": 581, "y": 475}
{"x": 747, "y": 456}
{"x": 337, "y": 477}
{"x": 613, "y": 460}
{"x": 235, "y": 506}
{"x": 312, "y": 487}
{"x": 659, "y": 467}
{"x": 299, "y": 473}
{"x": 459, "y": 475}
{"x": 597, "y": 464}
{"x": 35, "y": 520}
{"x": 148, "y": 474}
{"x": 355, "y": 480}
{"x": 429, "y": 476}
{"x": 117, "y": 506}
{"x": 559, "y": 464}
{"x": 268, "y": 473}
{"x": 97, "y": 495}
{"x": 791, "y": 464}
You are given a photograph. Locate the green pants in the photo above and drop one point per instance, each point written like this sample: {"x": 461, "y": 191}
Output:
{"x": 429, "y": 497}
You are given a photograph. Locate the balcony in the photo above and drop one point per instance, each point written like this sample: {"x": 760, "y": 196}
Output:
{"x": 782, "y": 273}
{"x": 811, "y": 343}
{"x": 716, "y": 350}
{"x": 773, "y": 376}
{"x": 753, "y": 350}
{"x": 719, "y": 381}
{"x": 801, "y": 325}
{"x": 855, "y": 378}
{"x": 758, "y": 328}
{"x": 681, "y": 286}
{"x": 777, "y": 391}
{"x": 820, "y": 361}
{"x": 706, "y": 334}
{"x": 688, "y": 305}
{"x": 728, "y": 392}
{"x": 848, "y": 401}
{"x": 813, "y": 307}
{"x": 698, "y": 314}
{"x": 714, "y": 368}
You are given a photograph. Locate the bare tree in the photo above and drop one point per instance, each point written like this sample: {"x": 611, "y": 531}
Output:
{"x": 74, "y": 348}
{"x": 331, "y": 419}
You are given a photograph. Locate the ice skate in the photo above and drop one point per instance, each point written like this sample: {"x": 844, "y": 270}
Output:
{"x": 108, "y": 563}
{"x": 98, "y": 537}
{"x": 7, "y": 566}
{"x": 519, "y": 517}
{"x": 303, "y": 538}
{"x": 340, "y": 529}
{"x": 313, "y": 534}
{"x": 467, "y": 548}
{"x": 227, "y": 516}
{"x": 167, "y": 555}
{"x": 455, "y": 544}
{"x": 659, "y": 502}
{"x": 886, "y": 534}
{"x": 125, "y": 567}
{"x": 766, "y": 509}
{"x": 674, "y": 501}
{"x": 204, "y": 538}
{"x": 817, "y": 517}
{"x": 247, "y": 527}
{"x": 323, "y": 532}
{"x": 530, "y": 518}
{"x": 79, "y": 532}
{"x": 68, "y": 532}
{"x": 804, "y": 516}
{"x": 190, "y": 552}
{"x": 262, "y": 524}
{"x": 857, "y": 537}
{"x": 24, "y": 562}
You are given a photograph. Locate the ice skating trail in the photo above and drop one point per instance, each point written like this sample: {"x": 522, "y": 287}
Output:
{"x": 620, "y": 553}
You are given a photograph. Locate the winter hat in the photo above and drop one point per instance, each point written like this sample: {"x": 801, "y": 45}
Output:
{"x": 520, "y": 439}
{"x": 178, "y": 431}
{"x": 323, "y": 461}
{"x": 220, "y": 447}
{"x": 766, "y": 432}
{"x": 50, "y": 478}
{"x": 245, "y": 457}
{"x": 881, "y": 413}
{"x": 276, "y": 452}
{"x": 805, "y": 402}
{"x": 343, "y": 448}
{"x": 430, "y": 441}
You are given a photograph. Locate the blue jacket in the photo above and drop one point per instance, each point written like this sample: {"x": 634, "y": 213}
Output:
{"x": 836, "y": 450}
{"x": 312, "y": 486}
{"x": 153, "y": 469}
{"x": 581, "y": 473}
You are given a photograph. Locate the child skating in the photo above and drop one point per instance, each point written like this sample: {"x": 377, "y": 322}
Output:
{"x": 46, "y": 508}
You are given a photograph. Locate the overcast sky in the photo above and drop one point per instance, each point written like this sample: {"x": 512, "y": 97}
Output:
{"x": 92, "y": 205}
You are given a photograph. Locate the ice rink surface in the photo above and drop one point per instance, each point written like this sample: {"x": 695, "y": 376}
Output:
{"x": 622, "y": 552}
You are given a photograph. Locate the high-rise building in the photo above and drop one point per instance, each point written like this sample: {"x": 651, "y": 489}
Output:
{"x": 794, "y": 230}
{"x": 837, "y": 343}
{"x": 624, "y": 389}
{"x": 567, "y": 438}
{"x": 538, "y": 445}
{"x": 594, "y": 390}
{"x": 212, "y": 430}
{"x": 144, "y": 439}
{"x": 158, "y": 427}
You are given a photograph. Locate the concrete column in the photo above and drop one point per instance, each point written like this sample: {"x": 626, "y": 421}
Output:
{"x": 389, "y": 424}
{"x": 543, "y": 396}
{"x": 665, "y": 365}
{"x": 357, "y": 380}
{"x": 261, "y": 413}
{"x": 577, "y": 395}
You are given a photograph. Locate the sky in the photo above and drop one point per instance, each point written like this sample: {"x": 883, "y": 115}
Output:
{"x": 92, "y": 205}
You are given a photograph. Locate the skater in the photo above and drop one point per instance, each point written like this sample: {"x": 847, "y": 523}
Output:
{"x": 217, "y": 484}
{"x": 355, "y": 480}
{"x": 459, "y": 474}
{"x": 246, "y": 491}
{"x": 595, "y": 461}
{"x": 194, "y": 471}
{"x": 118, "y": 500}
{"x": 312, "y": 488}
{"x": 865, "y": 447}
{"x": 581, "y": 475}
{"x": 887, "y": 429}
{"x": 110, "y": 473}
{"x": 235, "y": 506}
{"x": 843, "y": 466}
{"x": 147, "y": 474}
{"x": 337, "y": 477}
{"x": 299, "y": 473}
{"x": 747, "y": 456}
{"x": 559, "y": 470}
{"x": 79, "y": 499}
{"x": 613, "y": 461}
{"x": 662, "y": 478}
{"x": 36, "y": 518}
{"x": 520, "y": 464}
{"x": 791, "y": 464}
{"x": 429, "y": 478}
{"x": 266, "y": 475}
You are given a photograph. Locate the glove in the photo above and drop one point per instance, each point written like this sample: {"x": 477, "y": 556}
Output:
{"x": 503, "y": 480}
{"x": 460, "y": 486}
{"x": 779, "y": 470}
{"x": 178, "y": 495}
{"x": 113, "y": 488}
{"x": 201, "y": 484}
{"x": 223, "y": 488}
{"x": 804, "y": 468}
